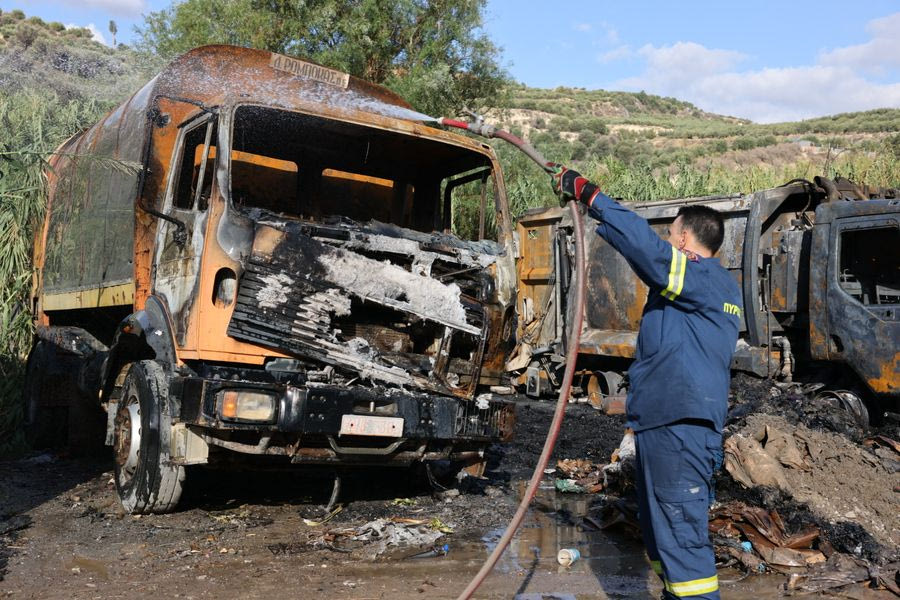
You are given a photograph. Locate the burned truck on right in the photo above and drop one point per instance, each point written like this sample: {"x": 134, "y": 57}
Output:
{"x": 818, "y": 263}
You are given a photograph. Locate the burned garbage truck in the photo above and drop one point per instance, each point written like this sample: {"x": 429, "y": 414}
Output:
{"x": 818, "y": 263}
{"x": 254, "y": 255}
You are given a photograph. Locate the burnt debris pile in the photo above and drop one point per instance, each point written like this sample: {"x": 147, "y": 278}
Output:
{"x": 805, "y": 490}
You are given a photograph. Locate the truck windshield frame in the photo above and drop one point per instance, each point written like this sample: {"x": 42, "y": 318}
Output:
{"x": 868, "y": 263}
{"x": 303, "y": 166}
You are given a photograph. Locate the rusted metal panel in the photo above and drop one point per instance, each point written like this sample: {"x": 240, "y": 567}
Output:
{"x": 862, "y": 290}
{"x": 538, "y": 302}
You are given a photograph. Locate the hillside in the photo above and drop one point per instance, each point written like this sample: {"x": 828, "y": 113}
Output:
{"x": 576, "y": 125}
{"x": 65, "y": 63}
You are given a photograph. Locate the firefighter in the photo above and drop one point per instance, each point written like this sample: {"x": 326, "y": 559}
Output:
{"x": 679, "y": 381}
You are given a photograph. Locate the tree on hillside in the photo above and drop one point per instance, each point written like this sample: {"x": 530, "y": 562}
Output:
{"x": 431, "y": 52}
{"x": 113, "y": 30}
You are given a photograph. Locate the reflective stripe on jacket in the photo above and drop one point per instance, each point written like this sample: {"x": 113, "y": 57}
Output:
{"x": 688, "y": 330}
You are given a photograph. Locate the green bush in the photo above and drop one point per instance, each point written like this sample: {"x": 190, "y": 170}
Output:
{"x": 578, "y": 150}
{"x": 26, "y": 34}
{"x": 560, "y": 124}
{"x": 545, "y": 138}
{"x": 36, "y": 122}
{"x": 596, "y": 125}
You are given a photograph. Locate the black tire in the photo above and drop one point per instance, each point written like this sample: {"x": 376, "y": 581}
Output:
{"x": 45, "y": 413}
{"x": 146, "y": 479}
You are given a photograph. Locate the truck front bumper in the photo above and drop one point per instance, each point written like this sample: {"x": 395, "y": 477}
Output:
{"x": 315, "y": 423}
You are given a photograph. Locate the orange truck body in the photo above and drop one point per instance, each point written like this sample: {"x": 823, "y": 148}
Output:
{"x": 252, "y": 221}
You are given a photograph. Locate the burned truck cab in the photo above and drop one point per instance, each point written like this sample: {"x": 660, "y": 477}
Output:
{"x": 318, "y": 278}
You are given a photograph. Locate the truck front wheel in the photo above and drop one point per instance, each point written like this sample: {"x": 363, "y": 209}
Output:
{"x": 146, "y": 479}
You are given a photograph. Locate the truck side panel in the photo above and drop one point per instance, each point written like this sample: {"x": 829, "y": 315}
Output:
{"x": 88, "y": 256}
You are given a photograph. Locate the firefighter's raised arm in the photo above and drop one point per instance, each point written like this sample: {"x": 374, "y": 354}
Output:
{"x": 657, "y": 262}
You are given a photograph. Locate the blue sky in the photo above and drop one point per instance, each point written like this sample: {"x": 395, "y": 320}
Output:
{"x": 765, "y": 60}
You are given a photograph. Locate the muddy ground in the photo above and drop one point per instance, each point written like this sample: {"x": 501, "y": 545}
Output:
{"x": 256, "y": 535}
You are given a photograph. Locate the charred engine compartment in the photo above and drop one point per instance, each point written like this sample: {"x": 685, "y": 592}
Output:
{"x": 370, "y": 302}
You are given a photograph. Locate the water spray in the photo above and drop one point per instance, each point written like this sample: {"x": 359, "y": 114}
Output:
{"x": 479, "y": 127}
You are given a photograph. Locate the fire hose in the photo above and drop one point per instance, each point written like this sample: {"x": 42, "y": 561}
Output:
{"x": 478, "y": 127}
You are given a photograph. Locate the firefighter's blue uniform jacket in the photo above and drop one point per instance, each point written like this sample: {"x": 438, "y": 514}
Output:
{"x": 678, "y": 394}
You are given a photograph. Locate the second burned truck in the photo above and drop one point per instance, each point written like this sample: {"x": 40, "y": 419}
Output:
{"x": 276, "y": 278}
{"x": 818, "y": 263}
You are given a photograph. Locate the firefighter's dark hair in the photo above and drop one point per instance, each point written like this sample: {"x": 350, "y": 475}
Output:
{"x": 705, "y": 223}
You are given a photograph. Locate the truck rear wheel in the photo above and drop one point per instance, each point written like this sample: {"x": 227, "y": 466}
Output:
{"x": 146, "y": 479}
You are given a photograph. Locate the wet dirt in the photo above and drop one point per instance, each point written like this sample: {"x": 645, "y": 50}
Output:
{"x": 840, "y": 474}
{"x": 847, "y": 490}
{"x": 252, "y": 535}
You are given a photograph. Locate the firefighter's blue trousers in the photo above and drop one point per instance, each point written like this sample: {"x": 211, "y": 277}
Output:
{"x": 674, "y": 468}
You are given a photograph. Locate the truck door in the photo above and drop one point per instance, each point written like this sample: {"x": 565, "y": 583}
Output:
{"x": 863, "y": 298}
{"x": 187, "y": 146}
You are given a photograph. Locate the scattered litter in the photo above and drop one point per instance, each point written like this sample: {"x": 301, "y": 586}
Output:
{"x": 241, "y": 517}
{"x": 766, "y": 533}
{"x": 567, "y": 556}
{"x": 841, "y": 570}
{"x": 579, "y": 476}
{"x": 438, "y": 525}
{"x": 569, "y": 486}
{"x": 447, "y": 495}
{"x": 328, "y": 517}
{"x": 616, "y": 513}
{"x": 386, "y": 533}
{"x": 749, "y": 464}
{"x": 433, "y": 552}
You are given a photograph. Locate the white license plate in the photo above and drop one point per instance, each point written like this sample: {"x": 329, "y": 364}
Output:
{"x": 365, "y": 425}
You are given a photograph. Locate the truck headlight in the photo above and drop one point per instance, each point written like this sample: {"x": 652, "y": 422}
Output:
{"x": 246, "y": 405}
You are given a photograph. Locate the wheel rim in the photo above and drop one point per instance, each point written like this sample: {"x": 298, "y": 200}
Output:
{"x": 128, "y": 439}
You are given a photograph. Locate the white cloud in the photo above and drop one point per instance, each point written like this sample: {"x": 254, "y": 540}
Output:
{"x": 688, "y": 57}
{"x": 840, "y": 81}
{"x": 124, "y": 8}
{"x": 618, "y": 53}
{"x": 97, "y": 35}
{"x": 612, "y": 34}
{"x": 582, "y": 27}
{"x": 791, "y": 94}
{"x": 880, "y": 52}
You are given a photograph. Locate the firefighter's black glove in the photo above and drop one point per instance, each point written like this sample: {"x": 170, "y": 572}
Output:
{"x": 571, "y": 185}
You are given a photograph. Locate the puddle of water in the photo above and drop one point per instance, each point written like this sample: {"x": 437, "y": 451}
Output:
{"x": 90, "y": 565}
{"x": 612, "y": 564}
